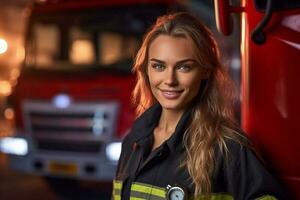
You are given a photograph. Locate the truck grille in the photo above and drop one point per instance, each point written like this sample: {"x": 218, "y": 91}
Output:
{"x": 87, "y": 147}
{"x": 81, "y": 127}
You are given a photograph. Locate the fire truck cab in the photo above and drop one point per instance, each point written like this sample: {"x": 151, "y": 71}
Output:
{"x": 72, "y": 101}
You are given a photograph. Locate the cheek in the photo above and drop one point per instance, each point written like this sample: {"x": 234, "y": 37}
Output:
{"x": 152, "y": 83}
{"x": 193, "y": 85}
{"x": 151, "y": 80}
{"x": 154, "y": 78}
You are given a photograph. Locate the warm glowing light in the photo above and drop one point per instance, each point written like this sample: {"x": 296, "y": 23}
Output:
{"x": 14, "y": 73}
{"x": 9, "y": 113}
{"x": 5, "y": 88}
{"x": 111, "y": 48}
{"x": 3, "y": 46}
{"x": 82, "y": 52}
{"x": 20, "y": 53}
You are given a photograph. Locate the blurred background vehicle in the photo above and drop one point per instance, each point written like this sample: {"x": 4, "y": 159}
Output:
{"x": 72, "y": 101}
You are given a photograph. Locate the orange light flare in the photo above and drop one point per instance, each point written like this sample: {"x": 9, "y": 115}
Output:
{"x": 5, "y": 88}
{"x": 9, "y": 113}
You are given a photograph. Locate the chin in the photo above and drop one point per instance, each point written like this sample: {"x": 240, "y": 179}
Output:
{"x": 171, "y": 106}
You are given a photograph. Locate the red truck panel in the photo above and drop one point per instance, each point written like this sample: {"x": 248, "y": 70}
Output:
{"x": 270, "y": 91}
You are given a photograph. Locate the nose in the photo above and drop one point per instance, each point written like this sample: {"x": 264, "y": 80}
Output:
{"x": 171, "y": 77}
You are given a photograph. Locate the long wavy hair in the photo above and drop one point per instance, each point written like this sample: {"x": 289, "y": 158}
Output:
{"x": 212, "y": 114}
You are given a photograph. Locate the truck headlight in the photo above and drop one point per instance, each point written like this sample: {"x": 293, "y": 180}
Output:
{"x": 16, "y": 146}
{"x": 113, "y": 151}
{"x": 61, "y": 101}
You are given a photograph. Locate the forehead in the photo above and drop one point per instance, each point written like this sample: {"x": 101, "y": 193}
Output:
{"x": 167, "y": 47}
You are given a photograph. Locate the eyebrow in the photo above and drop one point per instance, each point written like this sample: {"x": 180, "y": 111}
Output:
{"x": 179, "y": 62}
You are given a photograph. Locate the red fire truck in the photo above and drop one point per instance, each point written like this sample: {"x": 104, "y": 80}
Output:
{"x": 270, "y": 52}
{"x": 72, "y": 101}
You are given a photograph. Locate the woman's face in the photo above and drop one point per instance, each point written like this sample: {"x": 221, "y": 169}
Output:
{"x": 173, "y": 72}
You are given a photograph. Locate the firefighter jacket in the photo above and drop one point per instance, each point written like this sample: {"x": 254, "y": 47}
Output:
{"x": 146, "y": 174}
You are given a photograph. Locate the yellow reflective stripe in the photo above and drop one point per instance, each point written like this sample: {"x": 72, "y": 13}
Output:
{"x": 136, "y": 198}
{"x": 117, "y": 197}
{"x": 149, "y": 189}
{"x": 266, "y": 197}
{"x": 117, "y": 184}
{"x": 216, "y": 197}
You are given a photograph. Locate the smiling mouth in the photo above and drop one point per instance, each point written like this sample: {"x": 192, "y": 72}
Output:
{"x": 171, "y": 94}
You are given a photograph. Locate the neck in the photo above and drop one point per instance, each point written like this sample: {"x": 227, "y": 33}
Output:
{"x": 169, "y": 120}
{"x": 166, "y": 126}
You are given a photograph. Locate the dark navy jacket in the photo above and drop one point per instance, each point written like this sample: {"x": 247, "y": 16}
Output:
{"x": 145, "y": 174}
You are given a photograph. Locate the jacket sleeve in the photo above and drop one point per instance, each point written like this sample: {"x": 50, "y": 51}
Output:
{"x": 125, "y": 151}
{"x": 120, "y": 174}
{"x": 247, "y": 178}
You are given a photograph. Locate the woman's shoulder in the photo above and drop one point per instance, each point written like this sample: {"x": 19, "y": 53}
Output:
{"x": 244, "y": 173}
{"x": 239, "y": 147}
{"x": 238, "y": 144}
{"x": 233, "y": 151}
{"x": 143, "y": 123}
{"x": 235, "y": 142}
{"x": 135, "y": 132}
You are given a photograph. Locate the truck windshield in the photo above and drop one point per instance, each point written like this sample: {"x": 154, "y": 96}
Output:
{"x": 87, "y": 39}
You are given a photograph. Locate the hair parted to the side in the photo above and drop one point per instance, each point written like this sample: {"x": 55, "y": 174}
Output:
{"x": 211, "y": 121}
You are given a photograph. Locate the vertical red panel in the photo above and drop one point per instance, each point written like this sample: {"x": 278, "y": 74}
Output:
{"x": 271, "y": 91}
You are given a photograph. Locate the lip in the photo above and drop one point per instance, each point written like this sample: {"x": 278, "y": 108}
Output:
{"x": 171, "y": 94}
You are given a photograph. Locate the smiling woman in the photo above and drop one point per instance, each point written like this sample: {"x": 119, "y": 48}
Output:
{"x": 184, "y": 143}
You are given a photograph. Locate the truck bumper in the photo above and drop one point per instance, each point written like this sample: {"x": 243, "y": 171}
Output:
{"x": 64, "y": 164}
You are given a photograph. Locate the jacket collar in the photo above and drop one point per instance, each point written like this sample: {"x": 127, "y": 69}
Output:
{"x": 176, "y": 140}
{"x": 146, "y": 123}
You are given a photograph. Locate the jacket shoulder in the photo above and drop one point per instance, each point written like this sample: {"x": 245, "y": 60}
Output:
{"x": 244, "y": 174}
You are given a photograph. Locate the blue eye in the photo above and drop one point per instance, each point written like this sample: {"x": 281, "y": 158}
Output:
{"x": 158, "y": 66}
{"x": 184, "y": 68}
